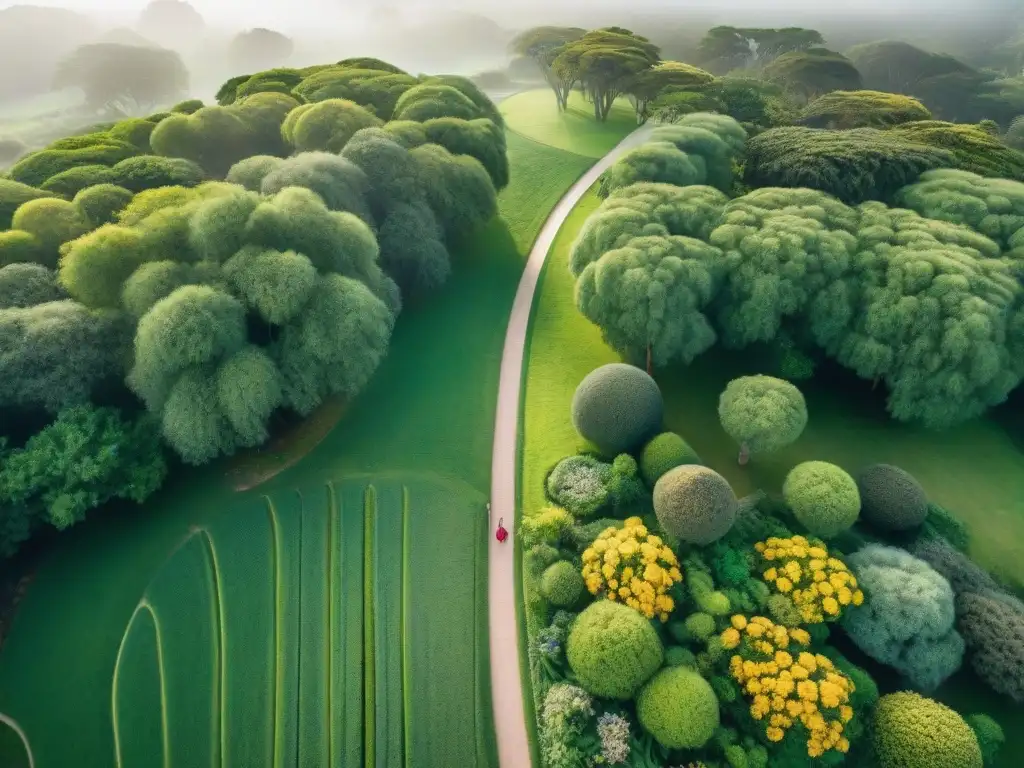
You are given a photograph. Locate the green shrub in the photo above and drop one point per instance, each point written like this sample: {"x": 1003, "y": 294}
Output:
{"x": 993, "y": 628}
{"x": 12, "y": 195}
{"x": 134, "y": 131}
{"x": 891, "y": 499}
{"x": 699, "y": 626}
{"x": 842, "y": 110}
{"x": 326, "y": 125}
{"x": 73, "y": 180}
{"x": 188, "y": 106}
{"x": 251, "y": 171}
{"x": 431, "y": 101}
{"x": 101, "y": 204}
{"x": 25, "y": 285}
{"x": 910, "y": 731}
{"x": 695, "y": 504}
{"x": 664, "y": 452}
{"x": 53, "y": 222}
{"x": 678, "y": 708}
{"x": 990, "y": 736}
{"x": 562, "y": 584}
{"x": 762, "y": 413}
{"x": 36, "y": 168}
{"x": 823, "y": 497}
{"x": 973, "y": 148}
{"x": 17, "y": 247}
{"x": 678, "y": 656}
{"x": 617, "y": 407}
{"x": 613, "y": 650}
{"x": 907, "y": 619}
{"x": 150, "y": 171}
{"x": 546, "y": 526}
{"x": 943, "y": 523}
{"x": 580, "y": 484}
{"x": 566, "y": 713}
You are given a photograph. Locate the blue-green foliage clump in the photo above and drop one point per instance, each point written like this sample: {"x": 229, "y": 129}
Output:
{"x": 908, "y": 617}
{"x": 585, "y": 486}
{"x": 617, "y": 407}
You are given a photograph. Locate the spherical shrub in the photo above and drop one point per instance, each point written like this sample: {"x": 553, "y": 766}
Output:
{"x": 907, "y": 620}
{"x": 695, "y": 504}
{"x": 664, "y": 452}
{"x": 994, "y": 632}
{"x": 613, "y": 650}
{"x": 617, "y": 407}
{"x": 562, "y": 584}
{"x": 823, "y": 497}
{"x": 25, "y": 285}
{"x": 101, "y": 204}
{"x": 678, "y": 656}
{"x": 910, "y": 731}
{"x": 699, "y": 626}
{"x": 580, "y": 484}
{"x": 678, "y": 708}
{"x": 963, "y": 574}
{"x": 762, "y": 413}
{"x": 990, "y": 736}
{"x": 891, "y": 499}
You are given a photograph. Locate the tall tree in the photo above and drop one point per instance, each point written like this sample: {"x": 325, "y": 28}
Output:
{"x": 124, "y": 78}
{"x": 258, "y": 49}
{"x": 668, "y": 76}
{"x": 541, "y": 45}
{"x": 726, "y": 48}
{"x": 173, "y": 23}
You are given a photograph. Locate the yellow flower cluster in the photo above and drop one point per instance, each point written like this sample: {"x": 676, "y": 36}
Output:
{"x": 789, "y": 685}
{"x": 819, "y": 585}
{"x": 633, "y": 566}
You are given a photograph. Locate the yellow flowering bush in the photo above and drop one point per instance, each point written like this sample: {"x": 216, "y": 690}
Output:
{"x": 819, "y": 585}
{"x": 787, "y": 684}
{"x": 633, "y": 566}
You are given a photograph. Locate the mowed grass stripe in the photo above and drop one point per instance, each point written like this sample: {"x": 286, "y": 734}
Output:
{"x": 406, "y": 647}
{"x": 247, "y": 558}
{"x": 387, "y": 608}
{"x": 485, "y": 736}
{"x": 314, "y": 636}
{"x": 285, "y": 518}
{"x": 137, "y": 702}
{"x": 369, "y": 618}
{"x": 444, "y": 630}
{"x": 349, "y": 669}
{"x": 183, "y": 599}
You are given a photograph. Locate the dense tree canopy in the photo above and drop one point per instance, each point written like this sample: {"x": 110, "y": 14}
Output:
{"x": 124, "y": 78}
{"x": 726, "y": 48}
{"x": 813, "y": 72}
{"x": 542, "y": 46}
{"x": 842, "y": 110}
{"x": 664, "y": 77}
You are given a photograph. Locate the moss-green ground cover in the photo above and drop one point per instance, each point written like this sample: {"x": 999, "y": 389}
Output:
{"x": 975, "y": 470}
{"x": 428, "y": 413}
{"x": 535, "y": 115}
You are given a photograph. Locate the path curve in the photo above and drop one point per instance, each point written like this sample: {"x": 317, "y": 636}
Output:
{"x": 506, "y": 684}
{"x": 11, "y": 723}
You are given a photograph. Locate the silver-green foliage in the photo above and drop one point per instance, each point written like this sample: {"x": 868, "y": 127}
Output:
{"x": 907, "y": 620}
{"x": 24, "y": 285}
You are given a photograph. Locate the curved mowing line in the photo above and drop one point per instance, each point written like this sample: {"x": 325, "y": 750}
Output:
{"x": 278, "y": 695}
{"x": 370, "y": 674}
{"x": 218, "y": 619}
{"x": 403, "y": 628}
{"x": 11, "y": 723}
{"x": 144, "y": 605}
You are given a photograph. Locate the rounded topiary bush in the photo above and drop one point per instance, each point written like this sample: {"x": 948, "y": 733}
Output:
{"x": 823, "y": 497}
{"x": 678, "y": 708}
{"x": 613, "y": 650}
{"x": 695, "y": 504}
{"x": 993, "y": 628}
{"x": 664, "y": 452}
{"x": 617, "y": 407}
{"x": 910, "y": 731}
{"x": 989, "y": 734}
{"x": 580, "y": 484}
{"x": 891, "y": 499}
{"x": 562, "y": 584}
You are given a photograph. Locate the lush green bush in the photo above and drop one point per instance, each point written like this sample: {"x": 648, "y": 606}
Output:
{"x": 375, "y": 89}
{"x": 613, "y": 650}
{"x": 17, "y": 247}
{"x": 943, "y": 523}
{"x": 12, "y": 195}
{"x": 843, "y": 110}
{"x": 962, "y": 573}
{"x": 430, "y": 101}
{"x": 325, "y": 125}
{"x": 907, "y": 620}
{"x": 251, "y": 171}
{"x": 656, "y": 161}
{"x": 566, "y": 713}
{"x": 34, "y": 169}
{"x": 973, "y": 148}
{"x": 188, "y": 106}
{"x": 910, "y": 731}
{"x": 695, "y": 504}
{"x": 100, "y": 204}
{"x": 580, "y": 484}
{"x": 823, "y": 497}
{"x": 854, "y": 166}
{"x": 617, "y": 407}
{"x": 481, "y": 139}
{"x": 990, "y": 736}
{"x": 891, "y": 499}
{"x": 151, "y": 171}
{"x": 562, "y": 584}
{"x": 52, "y": 222}
{"x": 340, "y": 183}
{"x": 678, "y": 708}
{"x": 73, "y": 180}
{"x": 546, "y": 526}
{"x": 662, "y": 453}
{"x": 762, "y": 413}
{"x": 25, "y": 285}
{"x": 993, "y": 627}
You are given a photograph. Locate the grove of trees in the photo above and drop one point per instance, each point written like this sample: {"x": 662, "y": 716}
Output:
{"x": 171, "y": 284}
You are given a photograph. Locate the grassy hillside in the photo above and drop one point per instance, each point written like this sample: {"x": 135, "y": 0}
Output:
{"x": 535, "y": 115}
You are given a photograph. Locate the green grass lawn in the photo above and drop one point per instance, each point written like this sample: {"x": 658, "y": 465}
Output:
{"x": 428, "y": 413}
{"x": 535, "y": 115}
{"x": 975, "y": 470}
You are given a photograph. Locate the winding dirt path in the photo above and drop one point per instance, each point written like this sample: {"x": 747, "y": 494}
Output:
{"x": 506, "y": 686}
